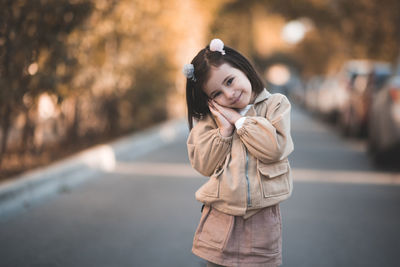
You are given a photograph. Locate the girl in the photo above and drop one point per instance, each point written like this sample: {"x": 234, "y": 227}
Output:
{"x": 241, "y": 141}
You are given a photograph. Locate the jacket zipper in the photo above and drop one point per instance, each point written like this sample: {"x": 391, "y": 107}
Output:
{"x": 247, "y": 178}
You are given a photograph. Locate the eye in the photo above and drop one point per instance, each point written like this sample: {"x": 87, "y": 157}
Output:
{"x": 230, "y": 81}
{"x": 216, "y": 94}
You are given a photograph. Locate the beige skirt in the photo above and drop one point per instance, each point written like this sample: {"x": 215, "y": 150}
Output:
{"x": 233, "y": 241}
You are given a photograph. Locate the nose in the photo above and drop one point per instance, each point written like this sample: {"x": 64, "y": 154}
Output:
{"x": 229, "y": 93}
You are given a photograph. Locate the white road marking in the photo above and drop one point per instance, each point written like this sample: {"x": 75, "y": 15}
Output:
{"x": 340, "y": 176}
{"x": 157, "y": 169}
{"x": 299, "y": 175}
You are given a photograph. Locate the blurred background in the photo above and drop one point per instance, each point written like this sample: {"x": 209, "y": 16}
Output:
{"x": 78, "y": 73}
{"x": 74, "y": 73}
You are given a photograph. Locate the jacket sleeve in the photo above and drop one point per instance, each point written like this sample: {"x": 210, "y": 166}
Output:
{"x": 207, "y": 148}
{"x": 268, "y": 138}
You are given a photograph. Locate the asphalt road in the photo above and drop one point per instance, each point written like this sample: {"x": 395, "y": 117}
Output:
{"x": 343, "y": 211}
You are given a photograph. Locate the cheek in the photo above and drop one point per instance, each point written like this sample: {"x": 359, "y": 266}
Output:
{"x": 249, "y": 86}
{"x": 219, "y": 102}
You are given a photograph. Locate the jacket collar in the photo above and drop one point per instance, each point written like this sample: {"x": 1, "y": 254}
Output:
{"x": 262, "y": 96}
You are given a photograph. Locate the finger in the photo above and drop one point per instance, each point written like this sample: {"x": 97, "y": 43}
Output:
{"x": 221, "y": 109}
{"x": 217, "y": 114}
{"x": 215, "y": 104}
{"x": 211, "y": 103}
{"x": 228, "y": 113}
{"x": 211, "y": 106}
{"x": 214, "y": 112}
{"x": 217, "y": 107}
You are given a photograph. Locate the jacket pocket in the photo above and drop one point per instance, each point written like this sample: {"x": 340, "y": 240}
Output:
{"x": 274, "y": 178}
{"x": 209, "y": 189}
{"x": 218, "y": 171}
{"x": 216, "y": 228}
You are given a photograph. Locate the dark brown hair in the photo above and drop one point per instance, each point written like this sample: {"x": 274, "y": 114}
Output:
{"x": 196, "y": 99}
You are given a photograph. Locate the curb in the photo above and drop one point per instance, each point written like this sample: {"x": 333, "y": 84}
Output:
{"x": 32, "y": 186}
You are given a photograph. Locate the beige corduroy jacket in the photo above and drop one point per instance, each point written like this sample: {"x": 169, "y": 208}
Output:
{"x": 248, "y": 170}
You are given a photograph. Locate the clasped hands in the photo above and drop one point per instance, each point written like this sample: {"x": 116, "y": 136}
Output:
{"x": 225, "y": 117}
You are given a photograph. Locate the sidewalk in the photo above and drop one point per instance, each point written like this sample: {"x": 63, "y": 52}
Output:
{"x": 39, "y": 184}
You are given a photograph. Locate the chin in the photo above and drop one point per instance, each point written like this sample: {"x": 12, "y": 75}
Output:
{"x": 241, "y": 106}
{"x": 244, "y": 104}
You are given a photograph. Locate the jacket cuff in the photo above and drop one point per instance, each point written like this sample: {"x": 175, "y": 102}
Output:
{"x": 224, "y": 139}
{"x": 239, "y": 123}
{"x": 240, "y": 131}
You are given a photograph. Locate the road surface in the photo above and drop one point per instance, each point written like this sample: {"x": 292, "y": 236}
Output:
{"x": 343, "y": 211}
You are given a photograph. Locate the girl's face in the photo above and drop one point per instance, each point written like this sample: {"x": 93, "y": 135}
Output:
{"x": 229, "y": 87}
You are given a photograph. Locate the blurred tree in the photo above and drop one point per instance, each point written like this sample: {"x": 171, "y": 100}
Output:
{"x": 32, "y": 35}
{"x": 120, "y": 43}
{"x": 235, "y": 15}
{"x": 108, "y": 67}
{"x": 342, "y": 29}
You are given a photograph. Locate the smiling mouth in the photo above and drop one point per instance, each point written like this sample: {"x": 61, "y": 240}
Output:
{"x": 237, "y": 99}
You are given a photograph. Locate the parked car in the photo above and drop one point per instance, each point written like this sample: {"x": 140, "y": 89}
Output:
{"x": 384, "y": 122}
{"x": 331, "y": 96}
{"x": 311, "y": 93}
{"x": 367, "y": 78}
